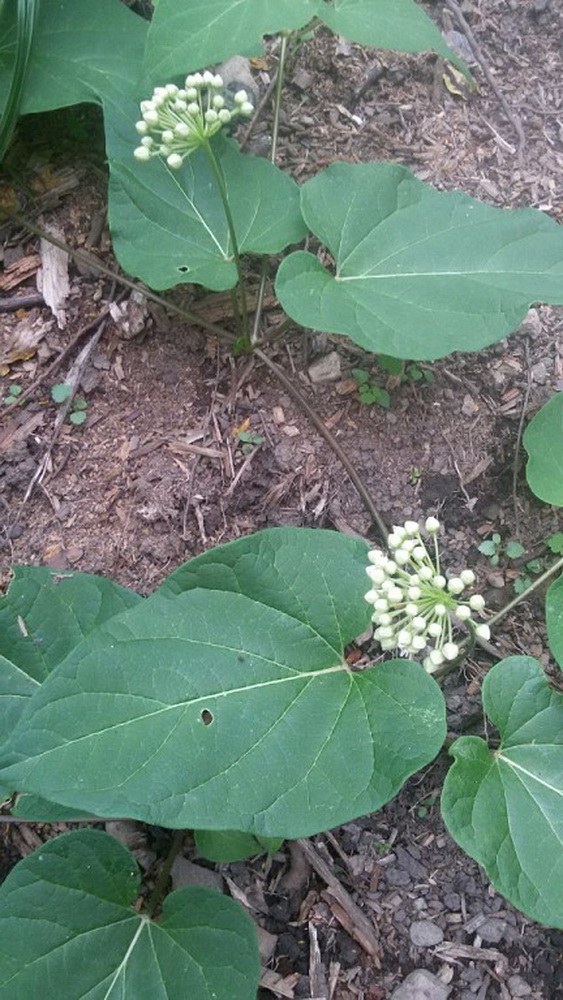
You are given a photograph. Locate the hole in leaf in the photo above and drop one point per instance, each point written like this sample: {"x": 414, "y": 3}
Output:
{"x": 183, "y": 269}
{"x": 206, "y": 717}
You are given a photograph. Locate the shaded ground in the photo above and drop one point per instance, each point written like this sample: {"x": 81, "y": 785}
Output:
{"x": 158, "y": 472}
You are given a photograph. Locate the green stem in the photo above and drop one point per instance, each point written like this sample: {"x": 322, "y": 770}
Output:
{"x": 273, "y": 153}
{"x": 220, "y": 181}
{"x": 522, "y": 597}
{"x": 164, "y": 873}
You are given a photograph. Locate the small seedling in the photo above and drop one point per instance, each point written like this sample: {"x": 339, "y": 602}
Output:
{"x": 404, "y": 371}
{"x": 12, "y": 395}
{"x": 249, "y": 441}
{"x": 59, "y": 395}
{"x": 368, "y": 390}
{"x": 526, "y": 577}
{"x": 494, "y": 549}
{"x": 555, "y": 543}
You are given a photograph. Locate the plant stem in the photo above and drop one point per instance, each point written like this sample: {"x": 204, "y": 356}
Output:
{"x": 164, "y": 873}
{"x": 521, "y": 597}
{"x": 329, "y": 438}
{"x": 273, "y": 153}
{"x": 221, "y": 186}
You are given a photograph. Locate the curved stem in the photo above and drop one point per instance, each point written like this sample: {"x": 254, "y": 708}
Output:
{"x": 329, "y": 438}
{"x": 522, "y": 597}
{"x": 273, "y": 153}
{"x": 222, "y": 188}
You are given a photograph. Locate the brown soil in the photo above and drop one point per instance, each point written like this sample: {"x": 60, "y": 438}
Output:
{"x": 157, "y": 473}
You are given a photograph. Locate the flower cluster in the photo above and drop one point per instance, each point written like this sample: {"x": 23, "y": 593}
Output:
{"x": 416, "y": 609}
{"x": 176, "y": 121}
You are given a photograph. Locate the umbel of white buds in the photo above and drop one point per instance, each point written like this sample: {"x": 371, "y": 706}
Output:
{"x": 177, "y": 120}
{"x": 416, "y": 609}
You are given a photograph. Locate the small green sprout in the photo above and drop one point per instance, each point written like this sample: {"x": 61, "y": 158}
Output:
{"x": 495, "y": 549}
{"x": 368, "y": 391}
{"x": 60, "y": 393}
{"x": 12, "y": 395}
{"x": 249, "y": 441}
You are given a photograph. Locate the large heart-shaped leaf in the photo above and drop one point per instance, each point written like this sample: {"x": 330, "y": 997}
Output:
{"x": 191, "y": 34}
{"x": 505, "y": 806}
{"x": 543, "y": 440}
{"x": 417, "y": 273}
{"x": 399, "y": 24}
{"x": 175, "y": 712}
{"x": 189, "y": 235}
{"x": 229, "y": 845}
{"x": 43, "y": 616}
{"x": 554, "y": 619}
{"x": 68, "y": 929}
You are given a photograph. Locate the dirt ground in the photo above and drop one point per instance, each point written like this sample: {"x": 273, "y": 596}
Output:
{"x": 158, "y": 472}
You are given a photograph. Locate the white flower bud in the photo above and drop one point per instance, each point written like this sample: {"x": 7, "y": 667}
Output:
{"x": 390, "y": 567}
{"x": 483, "y": 632}
{"x": 384, "y": 632}
{"x": 208, "y": 78}
{"x": 167, "y": 137}
{"x": 247, "y": 109}
{"x": 191, "y": 94}
{"x": 411, "y": 610}
{"x": 376, "y": 574}
{"x": 151, "y": 116}
{"x": 401, "y": 557}
{"x": 477, "y": 602}
{"x": 211, "y": 117}
{"x": 432, "y": 525}
{"x": 193, "y": 108}
{"x": 217, "y": 81}
{"x": 436, "y": 657}
{"x": 385, "y": 619}
{"x": 147, "y": 141}
{"x": 190, "y": 81}
{"x": 418, "y": 624}
{"x": 468, "y": 577}
{"x": 411, "y": 528}
{"x": 404, "y": 637}
{"x": 142, "y": 153}
{"x": 146, "y": 106}
{"x": 377, "y": 557}
{"x": 418, "y": 643}
{"x": 395, "y": 595}
{"x": 456, "y": 585}
{"x": 440, "y": 610}
{"x": 414, "y": 593}
{"x": 197, "y": 80}
{"x": 172, "y": 89}
{"x": 439, "y": 581}
{"x": 450, "y": 650}
{"x": 182, "y": 130}
{"x": 218, "y": 101}
{"x": 159, "y": 92}
{"x": 225, "y": 116}
{"x": 240, "y": 97}
{"x": 180, "y": 106}
{"x": 381, "y": 604}
{"x": 425, "y": 573}
{"x": 394, "y": 540}
{"x": 174, "y": 161}
{"x": 434, "y": 630}
{"x": 142, "y": 127}
{"x": 387, "y": 644}
{"x": 371, "y": 596}
{"x": 463, "y": 612}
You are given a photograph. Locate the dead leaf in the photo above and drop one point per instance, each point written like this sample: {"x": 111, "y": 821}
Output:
{"x": 52, "y": 278}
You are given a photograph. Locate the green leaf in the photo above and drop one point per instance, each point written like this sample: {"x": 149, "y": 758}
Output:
{"x": 77, "y": 417}
{"x": 186, "y": 35}
{"x": 26, "y": 16}
{"x": 542, "y": 440}
{"x": 38, "y": 810}
{"x": 81, "y": 52}
{"x": 401, "y": 25}
{"x": 514, "y": 550}
{"x": 418, "y": 273}
{"x": 60, "y": 392}
{"x": 68, "y": 927}
{"x": 488, "y": 547}
{"x": 174, "y": 712}
{"x": 183, "y": 212}
{"x": 230, "y": 845}
{"x": 505, "y": 807}
{"x": 43, "y": 616}
{"x": 360, "y": 375}
{"x": 392, "y": 365}
{"x": 555, "y": 543}
{"x": 554, "y": 619}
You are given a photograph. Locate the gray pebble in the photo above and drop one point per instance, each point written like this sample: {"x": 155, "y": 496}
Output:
{"x": 421, "y": 985}
{"x": 492, "y": 930}
{"x": 518, "y": 986}
{"x": 395, "y": 876}
{"x": 425, "y": 934}
{"x": 453, "y": 901}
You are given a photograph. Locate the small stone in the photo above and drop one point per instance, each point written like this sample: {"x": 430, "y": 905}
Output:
{"x": 453, "y": 901}
{"x": 469, "y": 407}
{"x": 325, "y": 369}
{"x": 539, "y": 373}
{"x": 425, "y": 934}
{"x": 395, "y": 876}
{"x": 518, "y": 986}
{"x": 492, "y": 930}
{"x": 184, "y": 873}
{"x": 237, "y": 75}
{"x": 421, "y": 985}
